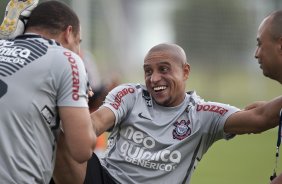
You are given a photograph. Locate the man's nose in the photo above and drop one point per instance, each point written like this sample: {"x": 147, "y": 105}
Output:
{"x": 155, "y": 77}
{"x": 257, "y": 53}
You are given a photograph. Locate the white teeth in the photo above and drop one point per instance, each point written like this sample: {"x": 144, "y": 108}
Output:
{"x": 159, "y": 88}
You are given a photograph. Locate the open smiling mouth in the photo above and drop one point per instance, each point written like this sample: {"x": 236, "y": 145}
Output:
{"x": 159, "y": 88}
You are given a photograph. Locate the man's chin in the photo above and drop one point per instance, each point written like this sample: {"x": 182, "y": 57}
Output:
{"x": 162, "y": 102}
{"x": 158, "y": 101}
{"x": 266, "y": 74}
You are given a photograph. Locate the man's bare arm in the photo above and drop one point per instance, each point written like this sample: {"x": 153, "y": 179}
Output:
{"x": 256, "y": 119}
{"x": 67, "y": 170}
{"x": 78, "y": 129}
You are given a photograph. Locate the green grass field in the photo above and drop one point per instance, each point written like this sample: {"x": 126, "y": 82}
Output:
{"x": 244, "y": 159}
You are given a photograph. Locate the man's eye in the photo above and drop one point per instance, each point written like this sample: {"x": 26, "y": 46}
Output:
{"x": 258, "y": 43}
{"x": 164, "y": 69}
{"x": 148, "y": 72}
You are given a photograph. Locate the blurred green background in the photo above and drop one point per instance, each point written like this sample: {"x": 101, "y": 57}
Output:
{"x": 245, "y": 158}
{"x": 219, "y": 37}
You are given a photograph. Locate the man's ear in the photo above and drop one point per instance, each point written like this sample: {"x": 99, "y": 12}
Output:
{"x": 280, "y": 45}
{"x": 186, "y": 70}
{"x": 68, "y": 34}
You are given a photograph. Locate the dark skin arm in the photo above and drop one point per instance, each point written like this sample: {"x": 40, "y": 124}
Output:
{"x": 255, "y": 120}
{"x": 69, "y": 171}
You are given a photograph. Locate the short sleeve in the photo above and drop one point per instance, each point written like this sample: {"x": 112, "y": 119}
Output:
{"x": 213, "y": 117}
{"x": 121, "y": 100}
{"x": 71, "y": 80}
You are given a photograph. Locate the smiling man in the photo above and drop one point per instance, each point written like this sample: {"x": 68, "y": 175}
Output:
{"x": 166, "y": 90}
{"x": 158, "y": 131}
{"x": 269, "y": 54}
{"x": 269, "y": 46}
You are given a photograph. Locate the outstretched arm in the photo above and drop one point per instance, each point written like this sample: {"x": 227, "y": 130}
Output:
{"x": 256, "y": 119}
{"x": 103, "y": 119}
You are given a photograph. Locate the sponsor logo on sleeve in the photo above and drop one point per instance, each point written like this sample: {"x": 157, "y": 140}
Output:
{"x": 212, "y": 108}
{"x": 75, "y": 76}
{"x": 118, "y": 98}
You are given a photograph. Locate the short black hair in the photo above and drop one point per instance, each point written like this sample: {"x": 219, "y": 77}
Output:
{"x": 53, "y": 16}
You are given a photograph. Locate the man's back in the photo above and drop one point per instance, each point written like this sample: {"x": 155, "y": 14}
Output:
{"x": 35, "y": 76}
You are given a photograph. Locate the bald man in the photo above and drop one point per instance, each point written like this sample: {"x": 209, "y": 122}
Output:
{"x": 269, "y": 52}
{"x": 269, "y": 47}
{"x": 159, "y": 131}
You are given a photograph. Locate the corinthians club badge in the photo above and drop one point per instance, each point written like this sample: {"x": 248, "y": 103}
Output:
{"x": 181, "y": 130}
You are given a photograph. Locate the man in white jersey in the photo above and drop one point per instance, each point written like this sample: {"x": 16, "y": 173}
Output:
{"x": 269, "y": 52}
{"x": 42, "y": 82}
{"x": 158, "y": 131}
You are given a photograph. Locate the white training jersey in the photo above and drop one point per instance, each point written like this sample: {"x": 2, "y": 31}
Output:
{"x": 155, "y": 144}
{"x": 36, "y": 76}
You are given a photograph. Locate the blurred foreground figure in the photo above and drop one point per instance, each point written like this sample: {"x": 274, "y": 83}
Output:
{"x": 42, "y": 82}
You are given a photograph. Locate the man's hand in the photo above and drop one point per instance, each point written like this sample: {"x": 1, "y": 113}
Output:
{"x": 254, "y": 105}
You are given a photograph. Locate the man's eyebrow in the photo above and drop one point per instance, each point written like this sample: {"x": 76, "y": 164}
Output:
{"x": 160, "y": 61}
{"x": 164, "y": 62}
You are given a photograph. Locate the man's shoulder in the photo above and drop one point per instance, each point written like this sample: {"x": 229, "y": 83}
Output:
{"x": 193, "y": 97}
{"x": 129, "y": 90}
{"x": 135, "y": 86}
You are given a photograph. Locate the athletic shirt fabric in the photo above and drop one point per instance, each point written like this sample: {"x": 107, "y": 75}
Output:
{"x": 155, "y": 144}
{"x": 36, "y": 76}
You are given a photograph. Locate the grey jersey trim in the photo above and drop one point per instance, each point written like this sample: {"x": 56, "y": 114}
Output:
{"x": 192, "y": 161}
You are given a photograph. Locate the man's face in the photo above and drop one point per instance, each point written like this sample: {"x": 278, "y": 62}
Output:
{"x": 267, "y": 52}
{"x": 165, "y": 77}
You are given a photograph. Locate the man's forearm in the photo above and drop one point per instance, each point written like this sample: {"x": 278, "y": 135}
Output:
{"x": 67, "y": 170}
